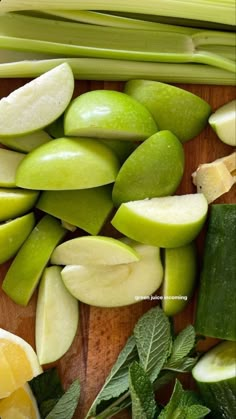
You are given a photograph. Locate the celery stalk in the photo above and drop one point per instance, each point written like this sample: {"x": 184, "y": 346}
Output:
{"x": 118, "y": 70}
{"x": 222, "y": 11}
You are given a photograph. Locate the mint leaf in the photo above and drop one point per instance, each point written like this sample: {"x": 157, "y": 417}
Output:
{"x": 153, "y": 339}
{"x": 141, "y": 391}
{"x": 47, "y": 390}
{"x": 170, "y": 409}
{"x": 182, "y": 365}
{"x": 183, "y": 344}
{"x": 189, "y": 398}
{"x": 66, "y": 406}
{"x": 117, "y": 381}
{"x": 197, "y": 412}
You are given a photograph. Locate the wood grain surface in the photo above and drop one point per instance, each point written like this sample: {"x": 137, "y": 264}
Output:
{"x": 103, "y": 332}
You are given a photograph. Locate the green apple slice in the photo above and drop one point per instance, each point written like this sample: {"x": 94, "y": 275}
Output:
{"x": 9, "y": 161}
{"x": 223, "y": 122}
{"x": 122, "y": 149}
{"x": 13, "y": 234}
{"x": 154, "y": 169}
{"x": 57, "y": 317}
{"x": 15, "y": 202}
{"x": 174, "y": 109}
{"x": 26, "y": 143}
{"x": 24, "y": 273}
{"x": 95, "y": 250}
{"x": 180, "y": 268}
{"x": 108, "y": 114}
{"x": 38, "y": 103}
{"x": 171, "y": 221}
{"x": 87, "y": 209}
{"x": 117, "y": 285}
{"x": 68, "y": 163}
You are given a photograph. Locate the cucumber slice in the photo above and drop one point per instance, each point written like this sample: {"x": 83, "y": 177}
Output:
{"x": 215, "y": 377}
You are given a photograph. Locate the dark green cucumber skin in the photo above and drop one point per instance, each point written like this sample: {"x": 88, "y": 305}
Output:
{"x": 220, "y": 397}
{"x": 216, "y": 306}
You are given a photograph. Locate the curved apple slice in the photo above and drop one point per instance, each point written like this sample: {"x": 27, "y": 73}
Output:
{"x": 57, "y": 316}
{"x": 93, "y": 250}
{"x": 223, "y": 122}
{"x": 117, "y": 285}
{"x": 171, "y": 221}
{"x": 68, "y": 163}
{"x": 13, "y": 234}
{"x": 38, "y": 103}
{"x": 108, "y": 114}
{"x": 9, "y": 161}
{"x": 26, "y": 143}
{"x": 15, "y": 202}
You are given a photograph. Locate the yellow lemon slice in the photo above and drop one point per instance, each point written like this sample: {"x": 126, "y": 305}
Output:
{"x": 21, "y": 404}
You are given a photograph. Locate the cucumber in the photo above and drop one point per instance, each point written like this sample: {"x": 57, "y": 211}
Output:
{"x": 216, "y": 380}
{"x": 216, "y": 307}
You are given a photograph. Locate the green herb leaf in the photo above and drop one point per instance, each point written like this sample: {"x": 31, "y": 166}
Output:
{"x": 183, "y": 344}
{"x": 153, "y": 340}
{"x": 190, "y": 398}
{"x": 197, "y": 412}
{"x": 182, "y": 365}
{"x": 47, "y": 390}
{"x": 170, "y": 409}
{"x": 117, "y": 381}
{"x": 66, "y": 406}
{"x": 141, "y": 391}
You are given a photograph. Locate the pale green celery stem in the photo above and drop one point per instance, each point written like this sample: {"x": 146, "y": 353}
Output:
{"x": 122, "y": 70}
{"x": 214, "y": 38}
{"x": 222, "y": 50}
{"x": 222, "y": 11}
{"x": 105, "y": 19}
{"x": 8, "y": 56}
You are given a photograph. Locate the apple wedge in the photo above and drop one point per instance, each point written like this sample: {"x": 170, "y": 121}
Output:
{"x": 93, "y": 250}
{"x": 15, "y": 202}
{"x": 223, "y": 122}
{"x": 68, "y": 163}
{"x": 27, "y": 267}
{"x": 154, "y": 169}
{"x": 57, "y": 317}
{"x": 9, "y": 161}
{"x": 38, "y": 103}
{"x": 180, "y": 268}
{"x": 171, "y": 221}
{"x": 13, "y": 234}
{"x": 108, "y": 114}
{"x": 87, "y": 209}
{"x": 26, "y": 143}
{"x": 174, "y": 109}
{"x": 117, "y": 285}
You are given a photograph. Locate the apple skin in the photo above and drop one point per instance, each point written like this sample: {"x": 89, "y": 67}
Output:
{"x": 108, "y": 114}
{"x": 174, "y": 109}
{"x": 154, "y": 169}
{"x": 140, "y": 227}
{"x": 9, "y": 161}
{"x": 38, "y": 103}
{"x": 87, "y": 209}
{"x": 27, "y": 267}
{"x": 16, "y": 202}
{"x": 180, "y": 268}
{"x": 223, "y": 122}
{"x": 13, "y": 234}
{"x": 57, "y": 315}
{"x": 26, "y": 143}
{"x": 122, "y": 149}
{"x": 68, "y": 163}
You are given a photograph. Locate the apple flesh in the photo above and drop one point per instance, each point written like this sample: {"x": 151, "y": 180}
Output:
{"x": 9, "y": 161}
{"x": 13, "y": 234}
{"x": 68, "y": 163}
{"x": 57, "y": 317}
{"x": 87, "y": 209}
{"x": 154, "y": 169}
{"x": 110, "y": 115}
{"x": 174, "y": 109}
{"x": 25, "y": 272}
{"x": 171, "y": 221}
{"x": 95, "y": 250}
{"x": 26, "y": 143}
{"x": 223, "y": 122}
{"x": 180, "y": 268}
{"x": 117, "y": 285}
{"x": 38, "y": 103}
{"x": 16, "y": 202}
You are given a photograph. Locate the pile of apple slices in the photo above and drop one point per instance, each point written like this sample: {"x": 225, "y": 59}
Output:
{"x": 110, "y": 149}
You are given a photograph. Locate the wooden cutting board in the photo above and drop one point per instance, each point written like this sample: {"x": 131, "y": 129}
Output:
{"x": 103, "y": 332}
